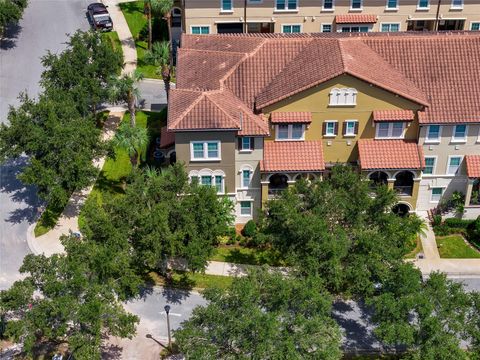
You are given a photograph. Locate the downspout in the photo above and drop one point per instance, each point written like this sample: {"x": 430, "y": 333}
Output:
{"x": 437, "y": 16}
{"x": 245, "y": 16}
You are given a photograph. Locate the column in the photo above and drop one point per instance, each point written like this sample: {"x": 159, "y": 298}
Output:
{"x": 390, "y": 183}
{"x": 264, "y": 193}
{"x": 468, "y": 192}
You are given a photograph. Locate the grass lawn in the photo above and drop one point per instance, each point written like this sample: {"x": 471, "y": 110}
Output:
{"x": 189, "y": 281}
{"x": 417, "y": 249}
{"x": 137, "y": 23}
{"x": 242, "y": 255}
{"x": 455, "y": 247}
{"x": 114, "y": 40}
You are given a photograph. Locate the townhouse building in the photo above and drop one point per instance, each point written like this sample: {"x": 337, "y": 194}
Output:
{"x": 310, "y": 16}
{"x": 252, "y": 114}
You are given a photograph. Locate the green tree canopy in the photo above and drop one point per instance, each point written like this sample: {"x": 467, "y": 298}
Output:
{"x": 72, "y": 298}
{"x": 134, "y": 140}
{"x": 11, "y": 11}
{"x": 263, "y": 316}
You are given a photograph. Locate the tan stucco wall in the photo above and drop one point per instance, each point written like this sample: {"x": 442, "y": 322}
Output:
{"x": 310, "y": 14}
{"x": 227, "y": 162}
{"x": 369, "y": 98}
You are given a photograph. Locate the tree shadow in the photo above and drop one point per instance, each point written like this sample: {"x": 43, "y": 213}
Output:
{"x": 19, "y": 193}
{"x": 111, "y": 352}
{"x": 11, "y": 34}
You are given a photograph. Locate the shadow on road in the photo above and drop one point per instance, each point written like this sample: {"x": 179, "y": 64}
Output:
{"x": 19, "y": 193}
{"x": 11, "y": 35}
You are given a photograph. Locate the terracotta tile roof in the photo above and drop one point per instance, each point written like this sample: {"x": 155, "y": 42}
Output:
{"x": 212, "y": 110}
{"x": 389, "y": 154}
{"x": 291, "y": 117}
{"x": 393, "y": 115}
{"x": 325, "y": 59}
{"x": 443, "y": 67}
{"x": 167, "y": 138}
{"x": 356, "y": 19}
{"x": 473, "y": 166}
{"x": 292, "y": 156}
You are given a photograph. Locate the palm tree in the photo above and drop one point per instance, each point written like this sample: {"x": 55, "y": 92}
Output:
{"x": 164, "y": 7}
{"x": 160, "y": 57}
{"x": 124, "y": 89}
{"x": 157, "y": 7}
{"x": 134, "y": 140}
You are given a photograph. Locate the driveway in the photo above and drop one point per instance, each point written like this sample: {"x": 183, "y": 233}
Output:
{"x": 44, "y": 27}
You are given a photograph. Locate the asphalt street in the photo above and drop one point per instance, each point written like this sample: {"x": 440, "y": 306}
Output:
{"x": 44, "y": 26}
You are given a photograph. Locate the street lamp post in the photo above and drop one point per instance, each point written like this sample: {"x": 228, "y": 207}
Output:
{"x": 167, "y": 311}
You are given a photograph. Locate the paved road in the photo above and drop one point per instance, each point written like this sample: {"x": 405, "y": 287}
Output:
{"x": 44, "y": 27}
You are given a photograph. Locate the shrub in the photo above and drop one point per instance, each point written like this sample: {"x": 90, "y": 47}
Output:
{"x": 437, "y": 220}
{"x": 473, "y": 231}
{"x": 458, "y": 223}
{"x": 250, "y": 229}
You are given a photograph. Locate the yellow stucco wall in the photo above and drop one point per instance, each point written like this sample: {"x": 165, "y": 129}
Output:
{"x": 369, "y": 98}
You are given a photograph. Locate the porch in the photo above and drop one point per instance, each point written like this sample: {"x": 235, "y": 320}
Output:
{"x": 472, "y": 193}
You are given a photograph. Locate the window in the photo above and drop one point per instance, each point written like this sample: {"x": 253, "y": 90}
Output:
{"x": 246, "y": 144}
{"x": 226, "y": 5}
{"x": 245, "y": 208}
{"x": 219, "y": 184}
{"x": 392, "y": 4}
{"x": 356, "y": 4}
{"x": 350, "y": 128}
{"x": 459, "y": 133}
{"x": 429, "y": 165}
{"x": 326, "y": 27}
{"x": 390, "y": 27}
{"x": 433, "y": 133}
{"x": 330, "y": 128}
{"x": 453, "y": 164}
{"x": 289, "y": 29}
{"x": 285, "y": 4}
{"x": 355, "y": 29}
{"x": 209, "y": 150}
{"x": 343, "y": 97}
{"x": 328, "y": 4}
{"x": 390, "y": 130}
{"x": 206, "y": 180}
{"x": 475, "y": 26}
{"x": 423, "y": 4}
{"x": 246, "y": 178}
{"x": 436, "y": 194}
{"x": 290, "y": 132}
{"x": 457, "y": 4}
{"x": 200, "y": 30}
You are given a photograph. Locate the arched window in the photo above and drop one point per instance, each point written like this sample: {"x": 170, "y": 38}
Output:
{"x": 343, "y": 96}
{"x": 378, "y": 178}
{"x": 207, "y": 177}
{"x": 401, "y": 209}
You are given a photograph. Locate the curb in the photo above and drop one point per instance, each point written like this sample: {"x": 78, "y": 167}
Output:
{"x": 31, "y": 239}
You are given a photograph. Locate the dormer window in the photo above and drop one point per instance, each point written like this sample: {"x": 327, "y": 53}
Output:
{"x": 343, "y": 97}
{"x": 290, "y": 132}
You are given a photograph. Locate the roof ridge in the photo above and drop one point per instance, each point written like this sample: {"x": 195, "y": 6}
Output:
{"x": 187, "y": 110}
{"x": 220, "y": 107}
{"x": 212, "y": 51}
{"x": 342, "y": 53}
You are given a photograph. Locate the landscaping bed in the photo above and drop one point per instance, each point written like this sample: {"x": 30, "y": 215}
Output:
{"x": 189, "y": 280}
{"x": 416, "y": 247}
{"x": 457, "y": 238}
{"x": 456, "y": 247}
{"x": 138, "y": 24}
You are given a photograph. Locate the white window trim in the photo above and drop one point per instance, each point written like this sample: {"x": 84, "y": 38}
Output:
{"x": 326, "y": 128}
{"x": 255, "y": 2}
{"x": 284, "y": 10}
{"x": 471, "y": 25}
{"x": 290, "y": 131}
{"x": 456, "y": 7}
{"x": 356, "y": 9}
{"x": 242, "y": 169}
{"x": 431, "y": 193}
{"x": 390, "y": 131}
{"x": 251, "y": 208}
{"x": 434, "y": 165}
{"x": 301, "y": 28}
{"x": 459, "y": 141}
{"x": 223, "y": 11}
{"x": 192, "y": 26}
{"x": 205, "y": 151}
{"x": 391, "y": 23}
{"x": 423, "y": 8}
{"x": 448, "y": 164}
{"x": 335, "y": 90}
{"x": 321, "y": 27}
{"x": 391, "y": 9}
{"x": 328, "y": 10}
{"x": 354, "y": 134}
{"x": 433, "y": 141}
{"x": 246, "y": 151}
{"x": 210, "y": 173}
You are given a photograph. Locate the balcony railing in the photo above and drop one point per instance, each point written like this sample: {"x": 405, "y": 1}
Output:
{"x": 404, "y": 190}
{"x": 274, "y": 192}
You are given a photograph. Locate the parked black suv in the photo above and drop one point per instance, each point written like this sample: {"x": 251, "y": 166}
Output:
{"x": 99, "y": 17}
